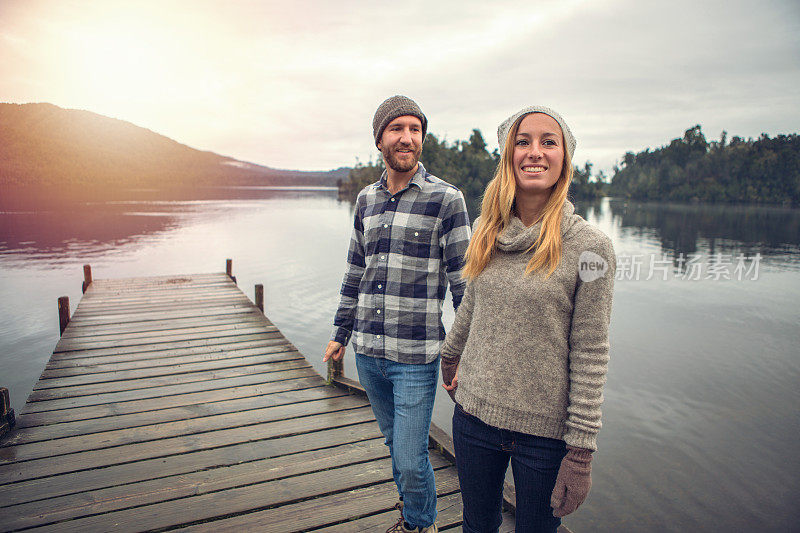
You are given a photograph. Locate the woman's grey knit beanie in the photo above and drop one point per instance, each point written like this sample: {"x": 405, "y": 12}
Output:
{"x": 390, "y": 109}
{"x": 503, "y": 129}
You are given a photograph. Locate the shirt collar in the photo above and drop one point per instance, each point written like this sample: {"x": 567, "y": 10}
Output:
{"x": 417, "y": 179}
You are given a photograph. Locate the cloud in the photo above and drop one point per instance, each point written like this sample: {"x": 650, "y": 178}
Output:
{"x": 294, "y": 85}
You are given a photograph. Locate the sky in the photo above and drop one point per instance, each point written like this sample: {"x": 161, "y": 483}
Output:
{"x": 295, "y": 84}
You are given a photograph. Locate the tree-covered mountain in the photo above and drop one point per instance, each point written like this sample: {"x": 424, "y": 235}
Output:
{"x": 46, "y": 147}
{"x": 689, "y": 168}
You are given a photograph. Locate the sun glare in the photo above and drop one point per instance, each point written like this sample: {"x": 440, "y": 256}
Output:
{"x": 120, "y": 61}
{"x": 117, "y": 63}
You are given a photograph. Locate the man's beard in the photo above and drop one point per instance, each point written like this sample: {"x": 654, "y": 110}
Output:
{"x": 392, "y": 161}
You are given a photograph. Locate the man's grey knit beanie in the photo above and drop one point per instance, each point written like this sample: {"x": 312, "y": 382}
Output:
{"x": 390, "y": 109}
{"x": 503, "y": 129}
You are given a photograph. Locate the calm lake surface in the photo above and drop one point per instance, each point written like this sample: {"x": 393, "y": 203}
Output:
{"x": 700, "y": 420}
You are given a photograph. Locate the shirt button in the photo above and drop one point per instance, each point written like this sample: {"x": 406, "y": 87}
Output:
{"x": 386, "y": 225}
{"x": 378, "y": 311}
{"x": 383, "y": 257}
{"x": 393, "y": 199}
{"x": 416, "y": 234}
{"x": 377, "y": 336}
{"x": 380, "y": 286}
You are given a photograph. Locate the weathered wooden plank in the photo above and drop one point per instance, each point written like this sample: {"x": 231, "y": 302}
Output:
{"x": 187, "y": 280}
{"x": 153, "y": 339}
{"x": 163, "y": 278}
{"x": 214, "y": 343}
{"x": 156, "y": 292}
{"x": 157, "y": 299}
{"x": 138, "y": 334}
{"x": 139, "y": 284}
{"x": 162, "y": 315}
{"x": 111, "y": 318}
{"x": 323, "y": 511}
{"x": 129, "y": 329}
{"x": 193, "y": 484}
{"x": 162, "y": 301}
{"x": 85, "y": 481}
{"x": 247, "y": 319}
{"x": 448, "y": 510}
{"x": 128, "y": 436}
{"x": 97, "y": 413}
{"x": 18, "y": 471}
{"x": 145, "y": 292}
{"x": 285, "y": 353}
{"x": 237, "y": 500}
{"x": 68, "y": 391}
{"x": 136, "y": 285}
{"x": 93, "y": 365}
{"x": 137, "y": 291}
{"x": 168, "y": 390}
{"x": 25, "y": 435}
{"x": 90, "y": 312}
{"x": 159, "y": 296}
{"x": 146, "y": 383}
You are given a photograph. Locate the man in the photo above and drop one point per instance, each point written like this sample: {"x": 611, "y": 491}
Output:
{"x": 410, "y": 232}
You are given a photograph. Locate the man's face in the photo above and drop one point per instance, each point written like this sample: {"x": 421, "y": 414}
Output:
{"x": 401, "y": 143}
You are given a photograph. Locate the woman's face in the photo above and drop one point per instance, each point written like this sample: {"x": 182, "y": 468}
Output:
{"x": 538, "y": 154}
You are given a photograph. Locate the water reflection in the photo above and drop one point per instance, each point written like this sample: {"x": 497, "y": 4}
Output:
{"x": 709, "y": 229}
{"x": 96, "y": 227}
{"x": 92, "y": 229}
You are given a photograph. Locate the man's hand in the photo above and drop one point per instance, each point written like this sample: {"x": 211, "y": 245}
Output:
{"x": 335, "y": 350}
{"x": 450, "y": 377}
{"x": 573, "y": 481}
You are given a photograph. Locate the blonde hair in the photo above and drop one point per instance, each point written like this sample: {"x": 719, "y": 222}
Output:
{"x": 496, "y": 213}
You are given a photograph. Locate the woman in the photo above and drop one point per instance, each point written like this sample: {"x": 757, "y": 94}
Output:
{"x": 528, "y": 351}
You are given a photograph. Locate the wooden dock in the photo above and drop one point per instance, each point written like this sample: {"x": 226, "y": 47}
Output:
{"x": 173, "y": 403}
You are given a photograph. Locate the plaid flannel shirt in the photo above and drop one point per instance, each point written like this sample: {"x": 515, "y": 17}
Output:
{"x": 404, "y": 250}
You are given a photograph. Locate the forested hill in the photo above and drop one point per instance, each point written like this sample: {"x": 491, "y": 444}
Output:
{"x": 45, "y": 146}
{"x": 764, "y": 170}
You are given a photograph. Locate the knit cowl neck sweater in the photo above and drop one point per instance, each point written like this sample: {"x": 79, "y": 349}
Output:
{"x": 534, "y": 348}
{"x": 517, "y": 237}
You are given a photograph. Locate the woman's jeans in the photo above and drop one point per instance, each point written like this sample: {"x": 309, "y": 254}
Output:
{"x": 482, "y": 454}
{"x": 402, "y": 399}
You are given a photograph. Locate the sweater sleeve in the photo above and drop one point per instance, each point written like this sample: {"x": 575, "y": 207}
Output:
{"x": 457, "y": 336}
{"x": 588, "y": 345}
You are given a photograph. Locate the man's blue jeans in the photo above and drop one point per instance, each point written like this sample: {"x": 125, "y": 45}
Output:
{"x": 402, "y": 399}
{"x": 482, "y": 455}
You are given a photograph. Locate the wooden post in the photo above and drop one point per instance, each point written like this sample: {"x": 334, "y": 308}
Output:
{"x": 229, "y": 269}
{"x": 260, "y": 297}
{"x": 335, "y": 369}
{"x": 63, "y": 313}
{"x": 87, "y": 277}
{"x": 7, "y": 418}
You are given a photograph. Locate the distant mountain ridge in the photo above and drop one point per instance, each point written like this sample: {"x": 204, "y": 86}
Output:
{"x": 45, "y": 146}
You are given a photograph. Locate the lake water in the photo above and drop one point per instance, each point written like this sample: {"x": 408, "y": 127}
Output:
{"x": 700, "y": 420}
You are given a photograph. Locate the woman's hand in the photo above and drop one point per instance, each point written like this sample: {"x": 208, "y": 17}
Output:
{"x": 573, "y": 481}
{"x": 450, "y": 377}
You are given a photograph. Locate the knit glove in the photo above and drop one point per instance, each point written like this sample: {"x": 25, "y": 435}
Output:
{"x": 449, "y": 368}
{"x": 573, "y": 481}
